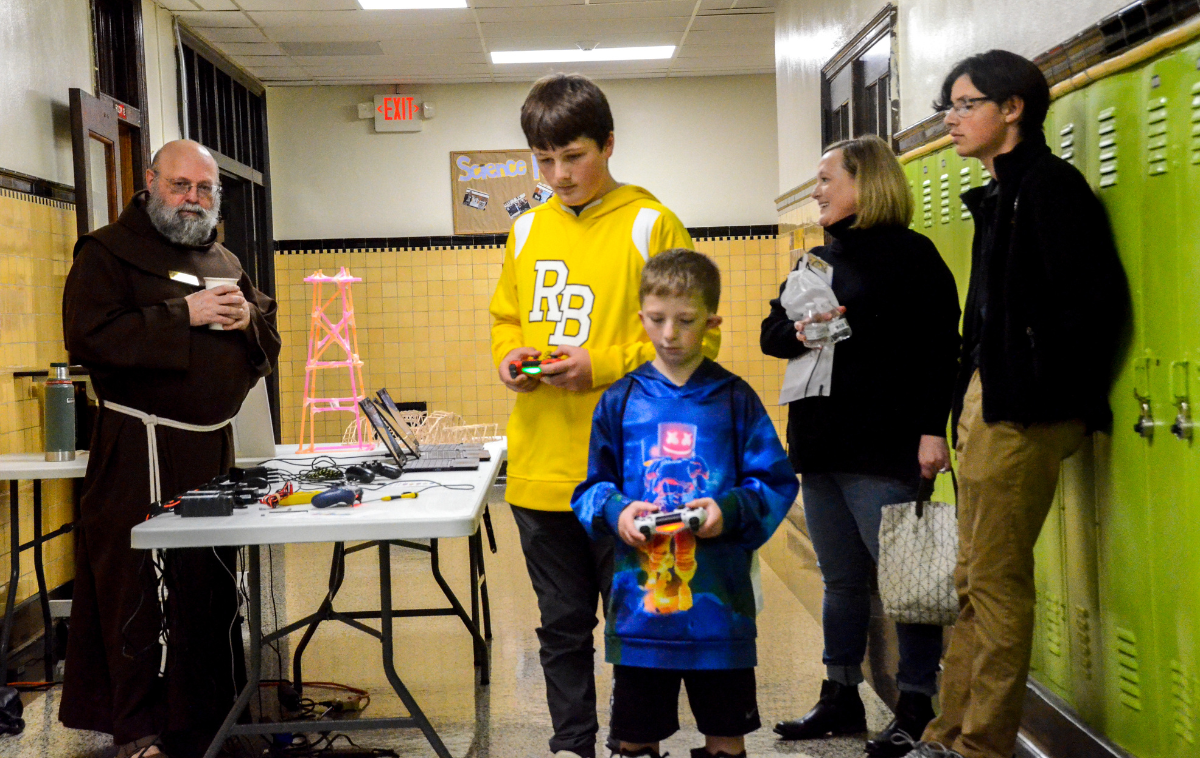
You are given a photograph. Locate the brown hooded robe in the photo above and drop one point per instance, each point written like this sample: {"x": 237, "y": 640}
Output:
{"x": 126, "y": 319}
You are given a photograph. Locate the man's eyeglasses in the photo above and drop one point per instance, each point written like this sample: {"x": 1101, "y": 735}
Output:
{"x": 964, "y": 107}
{"x": 181, "y": 187}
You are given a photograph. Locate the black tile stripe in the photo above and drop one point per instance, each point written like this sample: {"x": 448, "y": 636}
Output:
{"x": 485, "y": 240}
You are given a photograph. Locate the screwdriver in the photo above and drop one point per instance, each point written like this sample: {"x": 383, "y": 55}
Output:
{"x": 401, "y": 495}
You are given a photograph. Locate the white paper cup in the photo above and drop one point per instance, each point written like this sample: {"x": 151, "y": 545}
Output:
{"x": 216, "y": 281}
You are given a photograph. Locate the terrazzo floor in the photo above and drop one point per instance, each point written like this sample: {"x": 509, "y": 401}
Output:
{"x": 508, "y": 718}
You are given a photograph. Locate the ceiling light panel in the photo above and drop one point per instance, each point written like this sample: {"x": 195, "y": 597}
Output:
{"x": 654, "y": 52}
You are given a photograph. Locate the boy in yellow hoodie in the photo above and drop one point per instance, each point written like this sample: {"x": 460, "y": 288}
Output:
{"x": 569, "y": 289}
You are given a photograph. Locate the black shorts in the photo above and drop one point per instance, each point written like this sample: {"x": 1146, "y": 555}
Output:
{"x": 645, "y": 702}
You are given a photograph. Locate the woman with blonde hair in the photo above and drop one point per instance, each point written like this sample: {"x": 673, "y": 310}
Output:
{"x": 868, "y": 438}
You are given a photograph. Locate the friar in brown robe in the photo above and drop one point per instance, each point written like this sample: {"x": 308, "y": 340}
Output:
{"x": 136, "y": 313}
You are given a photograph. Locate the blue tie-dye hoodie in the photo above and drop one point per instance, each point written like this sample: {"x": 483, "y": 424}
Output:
{"x": 679, "y": 602}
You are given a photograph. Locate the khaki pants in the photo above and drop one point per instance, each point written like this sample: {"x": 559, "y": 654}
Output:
{"x": 1007, "y": 477}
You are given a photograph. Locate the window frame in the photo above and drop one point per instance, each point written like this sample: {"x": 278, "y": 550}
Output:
{"x": 882, "y": 26}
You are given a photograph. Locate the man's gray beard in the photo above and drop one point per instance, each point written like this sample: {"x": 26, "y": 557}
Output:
{"x": 182, "y": 230}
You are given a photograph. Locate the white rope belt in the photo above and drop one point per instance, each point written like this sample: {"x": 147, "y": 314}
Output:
{"x": 152, "y": 422}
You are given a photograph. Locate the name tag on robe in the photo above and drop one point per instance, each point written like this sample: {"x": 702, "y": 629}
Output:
{"x": 179, "y": 276}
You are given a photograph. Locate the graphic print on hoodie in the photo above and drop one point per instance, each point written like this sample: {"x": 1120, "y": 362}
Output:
{"x": 684, "y": 603}
{"x": 675, "y": 476}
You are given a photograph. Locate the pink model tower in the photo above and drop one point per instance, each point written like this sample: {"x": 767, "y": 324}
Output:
{"x": 323, "y": 335}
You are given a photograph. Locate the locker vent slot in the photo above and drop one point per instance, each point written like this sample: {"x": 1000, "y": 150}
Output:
{"x": 964, "y": 184}
{"x": 1156, "y": 136}
{"x": 1128, "y": 664}
{"x": 1107, "y": 144}
{"x": 1066, "y": 143}
{"x": 945, "y": 206}
{"x": 1196, "y": 123}
{"x": 1083, "y": 641}
{"x": 1055, "y": 615}
{"x": 1182, "y": 691}
{"x": 927, "y": 201}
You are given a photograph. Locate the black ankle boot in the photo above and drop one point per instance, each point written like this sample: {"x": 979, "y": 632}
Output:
{"x": 700, "y": 752}
{"x": 645, "y": 752}
{"x": 839, "y": 711}
{"x": 914, "y": 711}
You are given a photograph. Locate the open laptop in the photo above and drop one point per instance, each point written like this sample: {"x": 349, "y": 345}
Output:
{"x": 384, "y": 431}
{"x": 406, "y": 435}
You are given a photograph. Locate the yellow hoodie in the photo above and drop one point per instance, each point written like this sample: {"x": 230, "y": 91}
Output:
{"x": 571, "y": 280}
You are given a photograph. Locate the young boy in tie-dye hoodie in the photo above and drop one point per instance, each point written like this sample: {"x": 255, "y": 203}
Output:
{"x": 682, "y": 432}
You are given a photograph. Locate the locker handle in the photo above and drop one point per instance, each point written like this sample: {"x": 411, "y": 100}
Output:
{"x": 1141, "y": 393}
{"x": 1145, "y": 424}
{"x": 1182, "y": 428}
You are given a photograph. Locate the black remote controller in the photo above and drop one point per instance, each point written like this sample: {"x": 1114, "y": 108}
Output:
{"x": 382, "y": 469}
{"x": 359, "y": 474}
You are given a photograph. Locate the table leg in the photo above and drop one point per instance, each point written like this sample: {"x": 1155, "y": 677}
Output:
{"x": 481, "y": 649}
{"x": 254, "y": 671}
{"x": 14, "y": 574}
{"x": 389, "y": 664}
{"x": 337, "y": 574}
{"x": 40, "y": 572}
{"x": 483, "y": 591}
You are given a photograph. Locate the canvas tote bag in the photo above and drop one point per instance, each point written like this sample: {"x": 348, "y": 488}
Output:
{"x": 918, "y": 549}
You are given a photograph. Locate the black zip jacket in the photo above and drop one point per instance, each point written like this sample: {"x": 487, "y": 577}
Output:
{"x": 893, "y": 380}
{"x": 1048, "y": 296}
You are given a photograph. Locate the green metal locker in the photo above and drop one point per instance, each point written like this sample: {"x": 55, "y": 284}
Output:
{"x": 1187, "y": 377}
{"x": 1070, "y": 139}
{"x": 1167, "y": 111}
{"x": 1115, "y": 129}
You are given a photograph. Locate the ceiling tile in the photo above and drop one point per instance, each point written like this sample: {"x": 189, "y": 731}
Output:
{"x": 202, "y": 19}
{"x": 592, "y": 31}
{"x": 363, "y": 18}
{"x": 568, "y": 43}
{"x": 727, "y": 36}
{"x": 377, "y": 33}
{"x": 179, "y": 5}
{"x": 586, "y": 14}
{"x": 303, "y": 5}
{"x": 740, "y": 22}
{"x": 234, "y": 34}
{"x": 235, "y": 49}
{"x": 326, "y": 49}
{"x": 423, "y": 46}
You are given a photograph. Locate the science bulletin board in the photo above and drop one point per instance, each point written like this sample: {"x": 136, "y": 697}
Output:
{"x": 490, "y": 188}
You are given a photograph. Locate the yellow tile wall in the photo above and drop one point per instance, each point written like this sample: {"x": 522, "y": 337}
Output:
{"x": 36, "y": 238}
{"x": 424, "y": 330}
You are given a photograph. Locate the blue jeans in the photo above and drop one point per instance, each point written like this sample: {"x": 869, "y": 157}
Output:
{"x": 843, "y": 512}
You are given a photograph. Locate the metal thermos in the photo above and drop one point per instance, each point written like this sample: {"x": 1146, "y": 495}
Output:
{"x": 59, "y": 419}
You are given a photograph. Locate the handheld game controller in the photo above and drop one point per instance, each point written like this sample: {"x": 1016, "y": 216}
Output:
{"x": 669, "y": 523}
{"x": 531, "y": 366}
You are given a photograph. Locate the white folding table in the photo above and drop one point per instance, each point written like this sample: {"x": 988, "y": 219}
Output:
{"x": 437, "y": 513}
{"x": 16, "y": 467}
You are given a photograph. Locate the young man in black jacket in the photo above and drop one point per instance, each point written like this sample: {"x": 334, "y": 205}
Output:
{"x": 1047, "y": 301}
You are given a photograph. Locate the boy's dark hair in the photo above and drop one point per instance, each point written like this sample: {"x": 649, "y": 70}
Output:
{"x": 680, "y": 272}
{"x": 561, "y": 108}
{"x": 999, "y": 75}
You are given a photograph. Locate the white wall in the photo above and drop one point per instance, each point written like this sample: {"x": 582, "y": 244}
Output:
{"x": 162, "y": 93}
{"x": 45, "y": 49}
{"x": 932, "y": 36}
{"x": 705, "y": 146}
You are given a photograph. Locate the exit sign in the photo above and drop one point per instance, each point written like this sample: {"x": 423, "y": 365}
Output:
{"x": 397, "y": 113}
